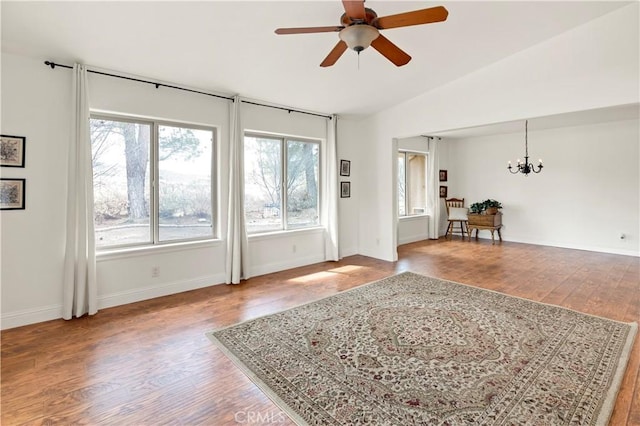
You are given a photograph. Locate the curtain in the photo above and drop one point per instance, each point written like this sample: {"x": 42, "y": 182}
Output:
{"x": 80, "y": 289}
{"x": 433, "y": 192}
{"x": 330, "y": 205}
{"x": 237, "y": 255}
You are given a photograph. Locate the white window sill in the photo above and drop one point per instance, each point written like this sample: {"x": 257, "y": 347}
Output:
{"x": 127, "y": 252}
{"x": 413, "y": 217}
{"x": 284, "y": 234}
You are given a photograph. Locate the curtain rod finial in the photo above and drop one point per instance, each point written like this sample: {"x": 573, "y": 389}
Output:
{"x": 51, "y": 64}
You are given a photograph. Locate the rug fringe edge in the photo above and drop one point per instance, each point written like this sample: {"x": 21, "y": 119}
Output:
{"x": 290, "y": 412}
{"x": 612, "y": 394}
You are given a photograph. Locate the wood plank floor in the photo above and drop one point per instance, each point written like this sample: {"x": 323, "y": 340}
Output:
{"x": 149, "y": 363}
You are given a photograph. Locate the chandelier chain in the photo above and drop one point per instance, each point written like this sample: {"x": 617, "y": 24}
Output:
{"x": 526, "y": 138}
{"x": 525, "y": 167}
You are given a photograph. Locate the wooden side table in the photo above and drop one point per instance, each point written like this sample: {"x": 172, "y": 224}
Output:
{"x": 491, "y": 222}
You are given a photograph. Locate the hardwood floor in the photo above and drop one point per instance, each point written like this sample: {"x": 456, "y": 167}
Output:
{"x": 150, "y": 363}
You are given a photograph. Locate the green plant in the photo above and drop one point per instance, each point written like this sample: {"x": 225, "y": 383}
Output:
{"x": 476, "y": 208}
{"x": 491, "y": 203}
{"x": 481, "y": 206}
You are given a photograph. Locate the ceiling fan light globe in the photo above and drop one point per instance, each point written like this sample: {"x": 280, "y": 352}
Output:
{"x": 359, "y": 37}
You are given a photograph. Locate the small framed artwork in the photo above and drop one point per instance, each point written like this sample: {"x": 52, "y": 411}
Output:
{"x": 345, "y": 189}
{"x": 12, "y": 151}
{"x": 443, "y": 175}
{"x": 345, "y": 167}
{"x": 443, "y": 192}
{"x": 12, "y": 194}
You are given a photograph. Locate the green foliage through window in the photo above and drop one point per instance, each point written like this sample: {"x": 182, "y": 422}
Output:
{"x": 128, "y": 155}
{"x": 281, "y": 172}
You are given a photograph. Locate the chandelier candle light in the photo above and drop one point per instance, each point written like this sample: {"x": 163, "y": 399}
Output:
{"x": 525, "y": 167}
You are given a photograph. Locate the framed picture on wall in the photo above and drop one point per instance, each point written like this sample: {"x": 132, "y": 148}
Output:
{"x": 12, "y": 151}
{"x": 345, "y": 189}
{"x": 345, "y": 167}
{"x": 12, "y": 194}
{"x": 443, "y": 175}
{"x": 443, "y": 192}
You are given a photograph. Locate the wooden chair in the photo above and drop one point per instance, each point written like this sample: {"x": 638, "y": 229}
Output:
{"x": 456, "y": 214}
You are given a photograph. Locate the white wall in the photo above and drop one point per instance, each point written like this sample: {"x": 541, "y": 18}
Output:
{"x": 36, "y": 104}
{"x": 592, "y": 66}
{"x": 413, "y": 228}
{"x": 348, "y": 149}
{"x": 271, "y": 120}
{"x": 587, "y": 195}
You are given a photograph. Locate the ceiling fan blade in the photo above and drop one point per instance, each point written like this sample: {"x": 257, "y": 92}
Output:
{"x": 308, "y": 30}
{"x": 354, "y": 9}
{"x": 335, "y": 54}
{"x": 416, "y": 17}
{"x": 390, "y": 51}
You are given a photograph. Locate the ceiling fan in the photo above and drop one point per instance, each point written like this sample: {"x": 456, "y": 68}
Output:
{"x": 360, "y": 29}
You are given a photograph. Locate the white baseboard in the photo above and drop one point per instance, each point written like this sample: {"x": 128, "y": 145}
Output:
{"x": 52, "y": 312}
{"x": 30, "y": 316}
{"x": 412, "y": 239}
{"x": 151, "y": 292}
{"x": 282, "y": 266}
{"x": 560, "y": 244}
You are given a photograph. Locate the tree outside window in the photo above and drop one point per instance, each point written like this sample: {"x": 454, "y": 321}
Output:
{"x": 127, "y": 156}
{"x": 281, "y": 172}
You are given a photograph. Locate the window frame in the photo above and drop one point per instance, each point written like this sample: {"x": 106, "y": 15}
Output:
{"x": 284, "y": 164}
{"x": 406, "y": 152}
{"x": 154, "y": 177}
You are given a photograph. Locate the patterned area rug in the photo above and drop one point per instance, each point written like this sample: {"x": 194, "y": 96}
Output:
{"x": 414, "y": 350}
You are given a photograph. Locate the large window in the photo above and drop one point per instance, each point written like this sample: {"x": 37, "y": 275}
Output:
{"x": 281, "y": 181}
{"x": 412, "y": 184}
{"x": 152, "y": 182}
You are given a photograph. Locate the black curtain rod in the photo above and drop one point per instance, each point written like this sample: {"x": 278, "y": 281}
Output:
{"x": 290, "y": 110}
{"x": 53, "y": 65}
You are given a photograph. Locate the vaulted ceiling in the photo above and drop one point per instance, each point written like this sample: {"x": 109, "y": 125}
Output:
{"x": 230, "y": 47}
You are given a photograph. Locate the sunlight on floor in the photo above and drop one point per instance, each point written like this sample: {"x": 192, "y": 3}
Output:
{"x": 327, "y": 274}
{"x": 248, "y": 313}
{"x": 346, "y": 269}
{"x": 312, "y": 277}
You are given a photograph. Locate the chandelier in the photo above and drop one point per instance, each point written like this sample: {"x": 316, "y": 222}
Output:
{"x": 525, "y": 167}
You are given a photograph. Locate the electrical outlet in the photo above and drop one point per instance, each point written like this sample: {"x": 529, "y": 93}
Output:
{"x": 295, "y": 248}
{"x": 155, "y": 272}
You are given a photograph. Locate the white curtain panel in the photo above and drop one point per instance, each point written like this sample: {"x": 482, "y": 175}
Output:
{"x": 330, "y": 205}
{"x": 433, "y": 192}
{"x": 80, "y": 286}
{"x": 237, "y": 255}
